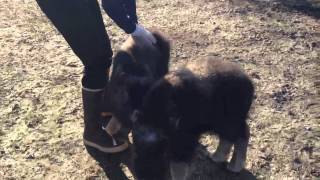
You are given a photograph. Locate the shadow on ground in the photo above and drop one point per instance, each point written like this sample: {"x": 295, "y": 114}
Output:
{"x": 203, "y": 168}
{"x": 112, "y": 164}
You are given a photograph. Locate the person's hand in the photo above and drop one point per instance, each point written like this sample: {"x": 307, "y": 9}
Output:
{"x": 143, "y": 35}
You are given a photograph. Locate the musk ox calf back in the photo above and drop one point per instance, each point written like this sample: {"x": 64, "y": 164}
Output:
{"x": 207, "y": 95}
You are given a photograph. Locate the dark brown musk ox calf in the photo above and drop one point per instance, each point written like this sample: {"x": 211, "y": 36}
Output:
{"x": 135, "y": 67}
{"x": 207, "y": 95}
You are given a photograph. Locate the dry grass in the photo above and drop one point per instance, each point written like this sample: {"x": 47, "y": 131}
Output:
{"x": 277, "y": 43}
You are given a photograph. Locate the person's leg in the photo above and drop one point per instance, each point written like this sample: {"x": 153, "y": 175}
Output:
{"x": 132, "y": 10}
{"x": 80, "y": 22}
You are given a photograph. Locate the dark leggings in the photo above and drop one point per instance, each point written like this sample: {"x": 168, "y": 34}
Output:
{"x": 80, "y": 22}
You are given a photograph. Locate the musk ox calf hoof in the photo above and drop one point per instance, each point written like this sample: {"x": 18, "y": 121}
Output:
{"x": 234, "y": 168}
{"x": 217, "y": 158}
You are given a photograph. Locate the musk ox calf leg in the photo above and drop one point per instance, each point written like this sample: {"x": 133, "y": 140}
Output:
{"x": 179, "y": 170}
{"x": 239, "y": 155}
{"x": 240, "y": 151}
{"x": 238, "y": 159}
{"x": 223, "y": 151}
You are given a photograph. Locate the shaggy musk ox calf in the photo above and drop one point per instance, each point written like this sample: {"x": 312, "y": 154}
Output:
{"x": 135, "y": 67}
{"x": 206, "y": 96}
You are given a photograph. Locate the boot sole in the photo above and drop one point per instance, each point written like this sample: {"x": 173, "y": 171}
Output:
{"x": 115, "y": 149}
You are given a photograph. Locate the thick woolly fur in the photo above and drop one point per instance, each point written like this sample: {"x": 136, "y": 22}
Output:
{"x": 207, "y": 95}
{"x": 135, "y": 67}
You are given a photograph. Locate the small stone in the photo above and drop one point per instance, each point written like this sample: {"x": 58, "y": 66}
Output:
{"x": 308, "y": 128}
{"x": 30, "y": 156}
{"x": 255, "y": 75}
{"x": 314, "y": 44}
{"x": 15, "y": 107}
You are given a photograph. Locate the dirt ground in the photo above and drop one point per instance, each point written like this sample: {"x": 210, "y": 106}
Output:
{"x": 276, "y": 42}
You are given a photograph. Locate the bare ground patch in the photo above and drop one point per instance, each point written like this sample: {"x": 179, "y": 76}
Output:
{"x": 277, "y": 43}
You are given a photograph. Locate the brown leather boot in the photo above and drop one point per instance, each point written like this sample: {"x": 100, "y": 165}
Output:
{"x": 95, "y": 135}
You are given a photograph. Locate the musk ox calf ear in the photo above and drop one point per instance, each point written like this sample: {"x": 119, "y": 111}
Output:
{"x": 159, "y": 94}
{"x": 137, "y": 87}
{"x": 174, "y": 117}
{"x": 163, "y": 44}
{"x": 121, "y": 57}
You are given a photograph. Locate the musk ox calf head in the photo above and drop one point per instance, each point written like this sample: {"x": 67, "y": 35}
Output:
{"x": 135, "y": 67}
